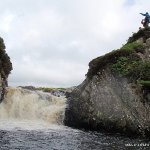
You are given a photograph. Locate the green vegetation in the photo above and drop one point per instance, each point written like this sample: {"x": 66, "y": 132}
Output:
{"x": 5, "y": 62}
{"x": 134, "y": 69}
{"x": 144, "y": 83}
{"x": 126, "y": 60}
{"x": 131, "y": 65}
{"x": 46, "y": 89}
{"x": 124, "y": 65}
{"x": 133, "y": 47}
{"x": 141, "y": 71}
{"x": 142, "y": 33}
{"x": 116, "y": 58}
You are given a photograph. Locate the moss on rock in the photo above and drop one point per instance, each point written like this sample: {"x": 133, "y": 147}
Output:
{"x": 124, "y": 55}
{"x": 5, "y": 63}
{"x": 144, "y": 83}
{"x": 126, "y": 61}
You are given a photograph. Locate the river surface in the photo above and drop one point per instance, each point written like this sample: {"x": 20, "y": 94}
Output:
{"x": 37, "y": 136}
{"x": 32, "y": 120}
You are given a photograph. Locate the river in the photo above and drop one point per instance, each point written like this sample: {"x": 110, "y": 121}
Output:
{"x": 32, "y": 120}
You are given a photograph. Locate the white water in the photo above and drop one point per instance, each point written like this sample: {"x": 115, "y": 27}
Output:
{"x": 33, "y": 120}
{"x": 27, "y": 109}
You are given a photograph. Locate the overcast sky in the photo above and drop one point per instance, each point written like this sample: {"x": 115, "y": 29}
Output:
{"x": 51, "y": 42}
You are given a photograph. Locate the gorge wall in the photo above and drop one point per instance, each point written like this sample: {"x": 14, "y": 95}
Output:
{"x": 5, "y": 68}
{"x": 115, "y": 96}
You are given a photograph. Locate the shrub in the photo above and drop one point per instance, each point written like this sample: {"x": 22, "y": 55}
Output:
{"x": 124, "y": 65}
{"x": 128, "y": 51}
{"x": 133, "y": 47}
{"x": 141, "y": 71}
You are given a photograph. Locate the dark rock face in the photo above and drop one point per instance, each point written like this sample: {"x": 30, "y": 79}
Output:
{"x": 110, "y": 101}
{"x": 5, "y": 69}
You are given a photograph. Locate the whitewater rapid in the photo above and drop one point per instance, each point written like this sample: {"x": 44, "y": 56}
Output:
{"x": 34, "y": 120}
{"x": 28, "y": 109}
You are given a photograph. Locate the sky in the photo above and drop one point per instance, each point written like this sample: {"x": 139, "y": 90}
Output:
{"x": 51, "y": 42}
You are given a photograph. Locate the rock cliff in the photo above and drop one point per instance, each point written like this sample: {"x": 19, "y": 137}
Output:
{"x": 5, "y": 68}
{"x": 115, "y": 96}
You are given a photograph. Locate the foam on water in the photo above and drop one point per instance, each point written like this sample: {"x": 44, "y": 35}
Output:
{"x": 27, "y": 109}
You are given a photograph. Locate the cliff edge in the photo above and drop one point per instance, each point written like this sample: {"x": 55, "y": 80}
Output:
{"x": 5, "y": 68}
{"x": 115, "y": 96}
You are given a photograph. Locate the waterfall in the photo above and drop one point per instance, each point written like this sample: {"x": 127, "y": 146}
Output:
{"x": 22, "y": 104}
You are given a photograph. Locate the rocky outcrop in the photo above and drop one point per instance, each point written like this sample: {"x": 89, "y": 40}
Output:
{"x": 56, "y": 91}
{"x": 5, "y": 68}
{"x": 115, "y": 95}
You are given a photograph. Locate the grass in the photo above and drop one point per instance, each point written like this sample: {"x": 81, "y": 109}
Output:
{"x": 124, "y": 65}
{"x": 141, "y": 71}
{"x": 133, "y": 69}
{"x": 136, "y": 47}
{"x": 144, "y": 83}
{"x": 124, "y": 61}
{"x": 127, "y": 53}
{"x": 143, "y": 33}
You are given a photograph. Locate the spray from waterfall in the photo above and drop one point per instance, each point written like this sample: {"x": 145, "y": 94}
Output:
{"x": 23, "y": 104}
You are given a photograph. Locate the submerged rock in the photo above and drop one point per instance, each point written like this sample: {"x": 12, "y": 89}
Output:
{"x": 113, "y": 96}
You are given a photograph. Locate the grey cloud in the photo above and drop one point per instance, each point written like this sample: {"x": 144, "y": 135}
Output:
{"x": 51, "y": 42}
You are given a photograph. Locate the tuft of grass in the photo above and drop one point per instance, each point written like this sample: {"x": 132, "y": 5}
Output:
{"x": 128, "y": 51}
{"x": 144, "y": 83}
{"x": 143, "y": 33}
{"x": 134, "y": 69}
{"x": 133, "y": 47}
{"x": 47, "y": 89}
{"x": 140, "y": 71}
{"x": 124, "y": 65}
